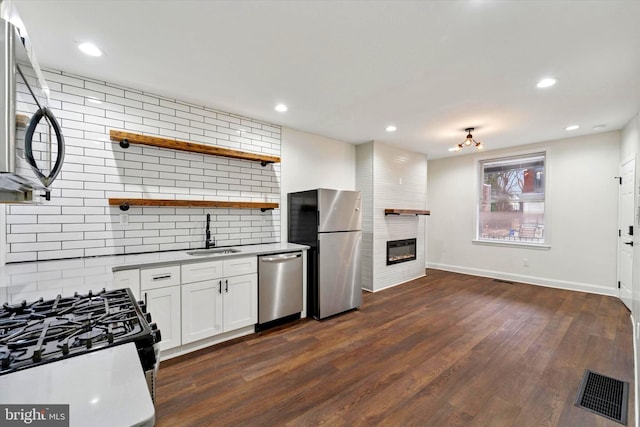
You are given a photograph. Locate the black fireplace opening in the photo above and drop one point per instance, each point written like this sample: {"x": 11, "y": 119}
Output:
{"x": 401, "y": 251}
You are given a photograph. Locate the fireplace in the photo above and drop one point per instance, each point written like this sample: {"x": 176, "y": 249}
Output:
{"x": 401, "y": 251}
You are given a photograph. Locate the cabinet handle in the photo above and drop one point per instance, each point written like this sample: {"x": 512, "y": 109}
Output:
{"x": 220, "y": 287}
{"x": 280, "y": 258}
{"x": 164, "y": 276}
{"x": 226, "y": 286}
{"x": 145, "y": 299}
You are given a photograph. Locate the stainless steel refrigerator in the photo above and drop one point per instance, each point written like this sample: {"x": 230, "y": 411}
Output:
{"x": 330, "y": 222}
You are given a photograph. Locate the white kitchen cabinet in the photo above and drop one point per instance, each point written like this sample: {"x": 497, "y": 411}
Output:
{"x": 165, "y": 307}
{"x": 160, "y": 290}
{"x": 128, "y": 279}
{"x": 226, "y": 301}
{"x": 201, "y": 310}
{"x": 240, "y": 306}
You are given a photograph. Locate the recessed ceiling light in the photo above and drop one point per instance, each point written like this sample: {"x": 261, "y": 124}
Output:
{"x": 281, "y": 108}
{"x": 599, "y": 127}
{"x": 391, "y": 128}
{"x": 572, "y": 127}
{"x": 546, "y": 82}
{"x": 89, "y": 49}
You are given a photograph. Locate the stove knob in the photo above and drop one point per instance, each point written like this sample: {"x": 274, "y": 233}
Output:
{"x": 148, "y": 317}
{"x": 143, "y": 306}
{"x": 153, "y": 326}
{"x": 157, "y": 336}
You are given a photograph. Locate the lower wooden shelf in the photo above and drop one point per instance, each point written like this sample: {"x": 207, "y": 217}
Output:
{"x": 125, "y": 203}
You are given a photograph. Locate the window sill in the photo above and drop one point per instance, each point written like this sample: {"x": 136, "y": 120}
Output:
{"x": 524, "y": 245}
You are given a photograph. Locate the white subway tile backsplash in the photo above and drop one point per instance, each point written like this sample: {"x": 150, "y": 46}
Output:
{"x": 140, "y": 97}
{"x": 78, "y": 222}
{"x": 103, "y": 88}
{"x": 66, "y": 97}
{"x": 174, "y": 105}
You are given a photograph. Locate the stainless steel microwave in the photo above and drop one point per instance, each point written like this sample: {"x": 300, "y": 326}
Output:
{"x": 31, "y": 141}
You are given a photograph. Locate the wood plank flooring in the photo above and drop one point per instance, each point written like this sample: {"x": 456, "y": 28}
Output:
{"x": 447, "y": 349}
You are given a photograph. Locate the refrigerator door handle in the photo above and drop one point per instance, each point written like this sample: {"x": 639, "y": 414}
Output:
{"x": 318, "y": 246}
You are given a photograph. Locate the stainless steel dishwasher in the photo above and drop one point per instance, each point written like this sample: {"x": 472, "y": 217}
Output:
{"x": 279, "y": 289}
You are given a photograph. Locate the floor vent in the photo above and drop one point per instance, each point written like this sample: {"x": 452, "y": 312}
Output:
{"x": 604, "y": 396}
{"x": 503, "y": 281}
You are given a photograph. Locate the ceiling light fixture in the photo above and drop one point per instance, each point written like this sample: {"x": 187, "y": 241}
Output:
{"x": 572, "y": 127}
{"x": 391, "y": 128}
{"x": 548, "y": 82}
{"x": 468, "y": 142}
{"x": 281, "y": 108}
{"x": 89, "y": 49}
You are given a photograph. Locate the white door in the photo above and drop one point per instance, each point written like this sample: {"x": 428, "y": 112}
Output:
{"x": 627, "y": 227}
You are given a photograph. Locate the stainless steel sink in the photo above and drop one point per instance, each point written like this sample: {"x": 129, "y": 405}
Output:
{"x": 213, "y": 251}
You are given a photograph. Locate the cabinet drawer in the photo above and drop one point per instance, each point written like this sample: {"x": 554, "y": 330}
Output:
{"x": 238, "y": 266}
{"x": 153, "y": 278}
{"x": 201, "y": 271}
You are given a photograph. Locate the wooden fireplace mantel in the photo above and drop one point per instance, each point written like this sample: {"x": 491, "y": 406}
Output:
{"x": 415, "y": 212}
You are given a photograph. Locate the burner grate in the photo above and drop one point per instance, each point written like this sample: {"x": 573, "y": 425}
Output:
{"x": 604, "y": 396}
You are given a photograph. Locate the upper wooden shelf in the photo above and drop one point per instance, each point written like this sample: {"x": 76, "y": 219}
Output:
{"x": 406, "y": 212}
{"x": 125, "y": 203}
{"x": 126, "y": 138}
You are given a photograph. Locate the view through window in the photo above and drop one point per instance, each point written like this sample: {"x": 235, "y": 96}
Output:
{"x": 512, "y": 199}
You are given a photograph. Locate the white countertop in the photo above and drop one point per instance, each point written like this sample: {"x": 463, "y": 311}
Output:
{"x": 46, "y": 279}
{"x": 102, "y": 388}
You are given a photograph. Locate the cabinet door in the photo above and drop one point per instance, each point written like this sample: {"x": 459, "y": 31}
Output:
{"x": 240, "y": 301}
{"x": 201, "y": 310}
{"x": 164, "y": 306}
{"x": 128, "y": 279}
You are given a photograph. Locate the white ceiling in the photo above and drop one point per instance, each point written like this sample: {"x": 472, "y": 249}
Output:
{"x": 347, "y": 69}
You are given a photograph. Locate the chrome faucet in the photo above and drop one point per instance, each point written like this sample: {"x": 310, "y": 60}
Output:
{"x": 208, "y": 243}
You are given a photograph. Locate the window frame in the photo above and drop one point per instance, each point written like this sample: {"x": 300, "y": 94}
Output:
{"x": 477, "y": 239}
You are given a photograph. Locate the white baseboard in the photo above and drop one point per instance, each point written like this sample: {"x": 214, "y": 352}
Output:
{"x": 531, "y": 280}
{"x": 393, "y": 285}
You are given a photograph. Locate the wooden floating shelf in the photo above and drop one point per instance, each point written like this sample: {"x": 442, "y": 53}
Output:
{"x": 22, "y": 120}
{"x": 126, "y": 138}
{"x": 406, "y": 212}
{"x": 124, "y": 204}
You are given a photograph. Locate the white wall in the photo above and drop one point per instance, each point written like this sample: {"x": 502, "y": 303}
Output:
{"x": 582, "y": 204}
{"x": 311, "y": 161}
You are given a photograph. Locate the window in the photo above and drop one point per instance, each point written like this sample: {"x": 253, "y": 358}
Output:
{"x": 512, "y": 199}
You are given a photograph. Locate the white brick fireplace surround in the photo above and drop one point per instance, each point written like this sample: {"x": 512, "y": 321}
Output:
{"x": 78, "y": 222}
{"x": 390, "y": 178}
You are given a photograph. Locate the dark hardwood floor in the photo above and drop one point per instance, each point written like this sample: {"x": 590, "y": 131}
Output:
{"x": 447, "y": 349}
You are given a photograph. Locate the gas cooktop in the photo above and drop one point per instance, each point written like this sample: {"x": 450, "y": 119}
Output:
{"x": 45, "y": 331}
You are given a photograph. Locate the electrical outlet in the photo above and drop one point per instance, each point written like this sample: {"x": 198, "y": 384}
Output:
{"x": 525, "y": 262}
{"x": 124, "y": 219}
